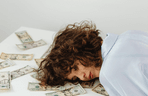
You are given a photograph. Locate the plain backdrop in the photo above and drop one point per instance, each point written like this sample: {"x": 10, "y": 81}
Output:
{"x": 110, "y": 16}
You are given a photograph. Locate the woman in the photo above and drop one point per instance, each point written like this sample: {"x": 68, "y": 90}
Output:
{"x": 78, "y": 53}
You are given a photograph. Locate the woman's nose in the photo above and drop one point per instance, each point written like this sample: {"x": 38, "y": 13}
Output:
{"x": 82, "y": 77}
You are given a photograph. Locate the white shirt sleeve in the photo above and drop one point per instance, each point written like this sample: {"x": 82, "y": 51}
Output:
{"x": 124, "y": 71}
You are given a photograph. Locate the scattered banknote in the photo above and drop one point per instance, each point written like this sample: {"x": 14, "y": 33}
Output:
{"x": 60, "y": 93}
{"x": 87, "y": 84}
{"x": 55, "y": 88}
{"x": 69, "y": 85}
{"x": 24, "y": 37}
{"x": 6, "y": 63}
{"x": 5, "y": 79}
{"x": 16, "y": 56}
{"x": 20, "y": 72}
{"x": 66, "y": 93}
{"x": 56, "y": 94}
{"x": 77, "y": 90}
{"x": 72, "y": 91}
{"x": 38, "y": 61}
{"x": 35, "y": 86}
{"x": 36, "y": 76}
{"x": 100, "y": 89}
{"x": 27, "y": 46}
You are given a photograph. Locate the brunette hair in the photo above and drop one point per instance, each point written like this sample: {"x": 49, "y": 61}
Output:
{"x": 78, "y": 41}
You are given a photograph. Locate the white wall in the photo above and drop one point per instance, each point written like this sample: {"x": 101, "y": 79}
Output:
{"x": 115, "y": 16}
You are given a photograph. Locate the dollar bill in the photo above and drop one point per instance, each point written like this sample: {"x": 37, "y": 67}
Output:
{"x": 69, "y": 85}
{"x": 24, "y": 37}
{"x": 87, "y": 84}
{"x": 35, "y": 75}
{"x": 72, "y": 91}
{"x": 38, "y": 61}
{"x": 35, "y": 86}
{"x": 5, "y": 79}
{"x": 38, "y": 75}
{"x": 77, "y": 90}
{"x": 27, "y": 46}
{"x": 6, "y": 63}
{"x": 55, "y": 88}
{"x": 55, "y": 94}
{"x": 67, "y": 92}
{"x": 20, "y": 72}
{"x": 100, "y": 89}
{"x": 27, "y": 57}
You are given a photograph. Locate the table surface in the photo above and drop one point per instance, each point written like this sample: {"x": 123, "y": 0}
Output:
{"x": 19, "y": 85}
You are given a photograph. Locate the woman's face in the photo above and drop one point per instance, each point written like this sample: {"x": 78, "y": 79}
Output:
{"x": 83, "y": 73}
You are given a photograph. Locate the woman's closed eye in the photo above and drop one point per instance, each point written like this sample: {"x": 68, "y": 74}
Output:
{"x": 75, "y": 67}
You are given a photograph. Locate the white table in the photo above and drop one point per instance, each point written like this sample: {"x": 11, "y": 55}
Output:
{"x": 19, "y": 85}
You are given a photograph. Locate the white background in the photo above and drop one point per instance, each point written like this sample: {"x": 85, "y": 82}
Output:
{"x": 114, "y": 16}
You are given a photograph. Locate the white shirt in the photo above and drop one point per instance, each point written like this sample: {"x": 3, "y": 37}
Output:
{"x": 124, "y": 71}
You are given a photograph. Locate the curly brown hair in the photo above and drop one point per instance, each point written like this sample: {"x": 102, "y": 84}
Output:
{"x": 78, "y": 41}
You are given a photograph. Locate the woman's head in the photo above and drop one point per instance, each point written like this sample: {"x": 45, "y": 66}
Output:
{"x": 77, "y": 44}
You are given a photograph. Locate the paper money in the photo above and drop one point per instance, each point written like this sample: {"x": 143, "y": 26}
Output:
{"x": 38, "y": 61}
{"x": 100, "y": 89}
{"x": 37, "y": 75}
{"x": 16, "y": 56}
{"x": 33, "y": 86}
{"x": 5, "y": 79}
{"x": 65, "y": 92}
{"x": 6, "y": 63}
{"x": 34, "y": 75}
{"x": 72, "y": 91}
{"x": 87, "y": 84}
{"x": 27, "y": 46}
{"x": 24, "y": 37}
{"x": 55, "y": 88}
{"x": 56, "y": 94}
{"x": 69, "y": 85}
{"x": 77, "y": 90}
{"x": 22, "y": 71}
